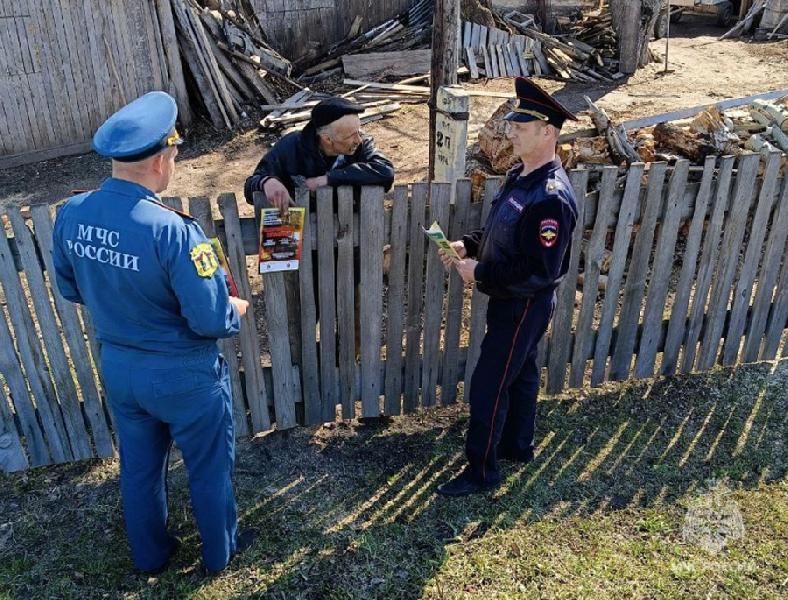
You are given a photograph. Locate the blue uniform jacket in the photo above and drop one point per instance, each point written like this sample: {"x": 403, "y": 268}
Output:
{"x": 298, "y": 153}
{"x": 522, "y": 250}
{"x": 143, "y": 271}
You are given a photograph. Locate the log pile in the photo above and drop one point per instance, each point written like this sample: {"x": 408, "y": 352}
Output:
{"x": 586, "y": 54}
{"x": 229, "y": 63}
{"x": 750, "y": 126}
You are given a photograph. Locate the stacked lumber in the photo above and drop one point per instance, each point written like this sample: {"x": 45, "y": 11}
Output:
{"x": 294, "y": 113}
{"x": 409, "y": 30}
{"x": 568, "y": 56}
{"x": 492, "y": 52}
{"x": 231, "y": 65}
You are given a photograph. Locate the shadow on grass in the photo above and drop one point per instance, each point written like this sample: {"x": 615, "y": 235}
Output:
{"x": 351, "y": 512}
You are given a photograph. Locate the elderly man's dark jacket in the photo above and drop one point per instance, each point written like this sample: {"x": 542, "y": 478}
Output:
{"x": 298, "y": 153}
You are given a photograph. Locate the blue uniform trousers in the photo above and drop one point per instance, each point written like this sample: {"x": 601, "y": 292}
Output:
{"x": 156, "y": 401}
{"x": 505, "y": 384}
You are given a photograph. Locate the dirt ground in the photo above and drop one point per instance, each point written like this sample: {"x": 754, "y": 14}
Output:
{"x": 702, "y": 70}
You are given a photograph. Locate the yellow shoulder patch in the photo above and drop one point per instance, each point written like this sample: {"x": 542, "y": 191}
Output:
{"x": 204, "y": 260}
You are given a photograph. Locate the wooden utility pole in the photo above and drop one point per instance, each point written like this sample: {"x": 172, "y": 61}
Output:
{"x": 445, "y": 59}
{"x": 628, "y": 34}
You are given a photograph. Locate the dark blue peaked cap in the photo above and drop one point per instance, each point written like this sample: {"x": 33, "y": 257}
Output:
{"x": 533, "y": 103}
{"x": 142, "y": 128}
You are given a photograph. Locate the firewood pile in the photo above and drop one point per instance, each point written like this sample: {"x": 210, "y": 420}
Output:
{"x": 587, "y": 53}
{"x": 758, "y": 126}
{"x": 229, "y": 63}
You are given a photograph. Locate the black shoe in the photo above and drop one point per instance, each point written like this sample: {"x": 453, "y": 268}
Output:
{"x": 464, "y": 485}
{"x": 503, "y": 454}
{"x": 244, "y": 541}
{"x": 175, "y": 543}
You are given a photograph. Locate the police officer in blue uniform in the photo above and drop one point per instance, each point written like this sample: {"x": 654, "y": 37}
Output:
{"x": 159, "y": 301}
{"x": 518, "y": 259}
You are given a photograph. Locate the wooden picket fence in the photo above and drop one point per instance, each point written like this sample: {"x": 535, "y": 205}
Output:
{"x": 697, "y": 276}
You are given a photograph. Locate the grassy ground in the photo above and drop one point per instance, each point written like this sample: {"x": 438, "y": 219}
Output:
{"x": 634, "y": 491}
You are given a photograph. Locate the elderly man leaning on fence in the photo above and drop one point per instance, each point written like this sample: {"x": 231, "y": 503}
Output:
{"x": 159, "y": 301}
{"x": 330, "y": 150}
{"x": 518, "y": 259}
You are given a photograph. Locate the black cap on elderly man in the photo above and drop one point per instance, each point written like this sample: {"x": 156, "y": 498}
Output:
{"x": 533, "y": 103}
{"x": 332, "y": 109}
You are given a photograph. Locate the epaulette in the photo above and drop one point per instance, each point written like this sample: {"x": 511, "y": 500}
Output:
{"x": 171, "y": 209}
{"x": 553, "y": 185}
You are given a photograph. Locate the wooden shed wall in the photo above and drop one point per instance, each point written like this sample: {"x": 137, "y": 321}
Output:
{"x": 65, "y": 66}
{"x": 293, "y": 26}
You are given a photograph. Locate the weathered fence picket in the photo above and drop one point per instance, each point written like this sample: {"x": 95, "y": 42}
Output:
{"x": 433, "y": 299}
{"x": 371, "y": 291}
{"x": 774, "y": 253}
{"x": 743, "y": 295}
{"x": 347, "y": 291}
{"x": 415, "y": 282}
{"x": 455, "y": 301}
{"x": 326, "y": 301}
{"x": 256, "y": 393}
{"x": 730, "y": 302}
{"x": 592, "y": 261}
{"x": 32, "y": 357}
{"x": 59, "y": 367}
{"x": 743, "y": 194}
{"x": 398, "y": 246}
{"x": 678, "y": 314}
{"x": 638, "y": 269}
{"x": 708, "y": 263}
{"x": 626, "y": 218}
{"x": 561, "y": 326}
{"x": 660, "y": 273}
{"x": 310, "y": 370}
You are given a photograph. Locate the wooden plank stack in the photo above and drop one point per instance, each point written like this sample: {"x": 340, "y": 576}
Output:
{"x": 411, "y": 29}
{"x": 492, "y": 52}
{"x": 231, "y": 65}
{"x": 568, "y": 56}
{"x": 295, "y": 112}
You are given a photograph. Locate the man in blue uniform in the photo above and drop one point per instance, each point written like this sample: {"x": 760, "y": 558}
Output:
{"x": 159, "y": 302}
{"x": 518, "y": 259}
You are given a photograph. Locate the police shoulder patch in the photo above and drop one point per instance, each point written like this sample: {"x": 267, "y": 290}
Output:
{"x": 548, "y": 232}
{"x": 204, "y": 259}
